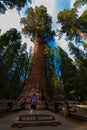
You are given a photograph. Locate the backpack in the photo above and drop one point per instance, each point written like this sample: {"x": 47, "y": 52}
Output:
{"x": 33, "y": 100}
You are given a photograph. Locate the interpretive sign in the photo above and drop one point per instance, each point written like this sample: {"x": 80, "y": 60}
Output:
{"x": 36, "y": 118}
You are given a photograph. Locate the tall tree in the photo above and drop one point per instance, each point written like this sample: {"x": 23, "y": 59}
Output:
{"x": 13, "y": 64}
{"x": 72, "y": 25}
{"x": 9, "y": 45}
{"x": 81, "y": 63}
{"x": 50, "y": 69}
{"x": 37, "y": 25}
{"x": 68, "y": 77}
{"x": 68, "y": 71}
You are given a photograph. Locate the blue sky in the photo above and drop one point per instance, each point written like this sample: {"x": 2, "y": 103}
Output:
{"x": 11, "y": 19}
{"x": 61, "y": 4}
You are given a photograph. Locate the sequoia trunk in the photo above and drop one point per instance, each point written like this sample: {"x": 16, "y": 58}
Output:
{"x": 36, "y": 81}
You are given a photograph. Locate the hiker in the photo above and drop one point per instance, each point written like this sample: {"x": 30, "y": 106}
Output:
{"x": 33, "y": 101}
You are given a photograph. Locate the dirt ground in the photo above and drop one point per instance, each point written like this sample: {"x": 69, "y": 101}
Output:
{"x": 77, "y": 121}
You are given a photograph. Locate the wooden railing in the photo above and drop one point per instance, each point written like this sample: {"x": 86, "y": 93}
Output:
{"x": 4, "y": 106}
{"x": 75, "y": 110}
{"x": 8, "y": 105}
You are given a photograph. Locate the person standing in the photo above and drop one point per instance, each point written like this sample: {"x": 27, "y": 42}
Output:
{"x": 33, "y": 101}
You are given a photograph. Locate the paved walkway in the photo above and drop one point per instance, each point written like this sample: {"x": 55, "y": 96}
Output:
{"x": 5, "y": 123}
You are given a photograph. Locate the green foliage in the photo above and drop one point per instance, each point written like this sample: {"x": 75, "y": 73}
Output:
{"x": 81, "y": 63}
{"x": 38, "y": 24}
{"x": 84, "y": 45}
{"x": 68, "y": 74}
{"x": 79, "y": 3}
{"x": 68, "y": 20}
{"x": 13, "y": 64}
{"x": 58, "y": 80}
{"x": 83, "y": 21}
{"x": 10, "y": 4}
{"x": 73, "y": 78}
{"x": 75, "y": 27}
{"x": 50, "y": 70}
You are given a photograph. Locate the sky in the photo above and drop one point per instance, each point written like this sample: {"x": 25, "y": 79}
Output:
{"x": 11, "y": 19}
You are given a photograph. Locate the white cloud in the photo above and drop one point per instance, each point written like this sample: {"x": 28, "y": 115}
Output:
{"x": 11, "y": 19}
{"x": 63, "y": 43}
{"x": 72, "y": 2}
{"x": 80, "y": 9}
{"x": 50, "y": 7}
{"x": 29, "y": 43}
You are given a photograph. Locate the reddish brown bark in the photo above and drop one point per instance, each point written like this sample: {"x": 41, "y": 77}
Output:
{"x": 82, "y": 35}
{"x": 36, "y": 81}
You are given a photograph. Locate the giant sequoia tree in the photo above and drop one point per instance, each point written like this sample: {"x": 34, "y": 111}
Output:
{"x": 37, "y": 25}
